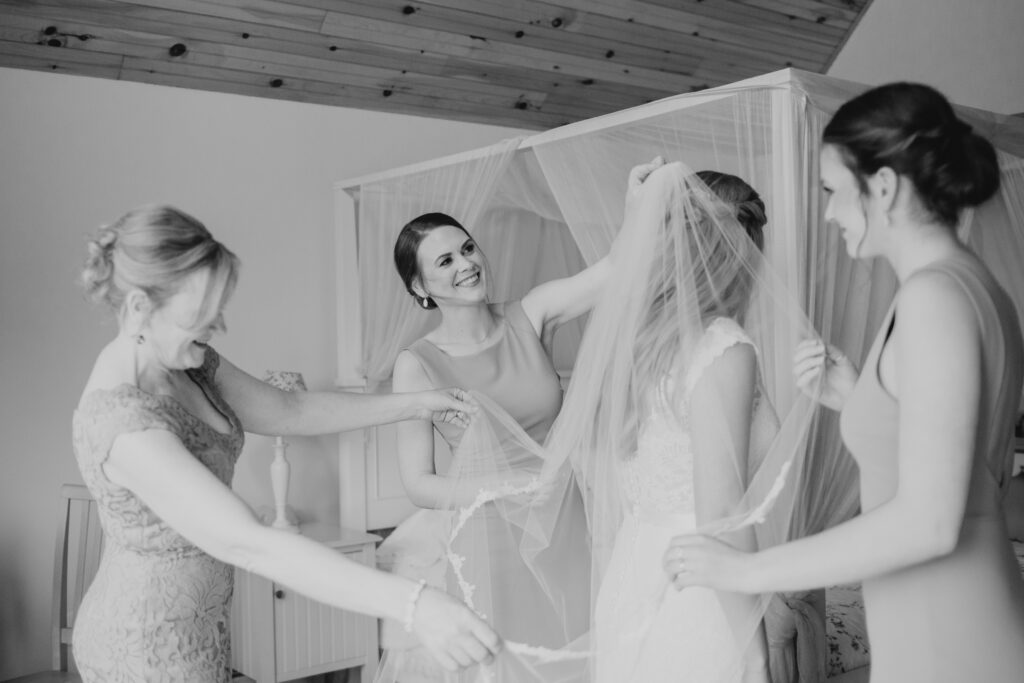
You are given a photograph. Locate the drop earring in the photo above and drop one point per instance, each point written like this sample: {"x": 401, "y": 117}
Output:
{"x": 139, "y": 338}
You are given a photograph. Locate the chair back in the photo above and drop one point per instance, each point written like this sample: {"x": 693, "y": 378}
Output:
{"x": 77, "y": 557}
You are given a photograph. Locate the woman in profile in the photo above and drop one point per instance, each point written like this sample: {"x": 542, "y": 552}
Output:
{"x": 929, "y": 420}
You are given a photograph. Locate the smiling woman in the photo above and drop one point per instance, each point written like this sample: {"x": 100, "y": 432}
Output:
{"x": 452, "y": 263}
{"x": 495, "y": 349}
{"x": 929, "y": 420}
{"x": 156, "y": 434}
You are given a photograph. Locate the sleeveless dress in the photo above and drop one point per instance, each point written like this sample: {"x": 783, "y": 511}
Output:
{"x": 960, "y": 617}
{"x": 158, "y": 607}
{"x": 517, "y": 374}
{"x": 645, "y": 631}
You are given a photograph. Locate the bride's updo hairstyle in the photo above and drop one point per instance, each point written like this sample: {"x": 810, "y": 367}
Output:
{"x": 744, "y": 199}
{"x": 718, "y": 248}
{"x": 912, "y": 129}
{"x": 152, "y": 248}
{"x": 724, "y": 280}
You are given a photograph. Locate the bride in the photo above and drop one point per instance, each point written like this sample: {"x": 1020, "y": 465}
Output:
{"x": 672, "y": 422}
{"x": 701, "y": 413}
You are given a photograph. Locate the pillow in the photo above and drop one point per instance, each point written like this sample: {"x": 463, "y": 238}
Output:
{"x": 846, "y": 630}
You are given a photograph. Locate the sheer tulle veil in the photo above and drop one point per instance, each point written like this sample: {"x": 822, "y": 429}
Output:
{"x": 532, "y": 557}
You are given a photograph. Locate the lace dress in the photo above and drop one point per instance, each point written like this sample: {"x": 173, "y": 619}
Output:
{"x": 158, "y": 607}
{"x": 646, "y": 631}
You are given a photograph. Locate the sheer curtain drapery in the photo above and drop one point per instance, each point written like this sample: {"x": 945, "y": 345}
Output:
{"x": 545, "y": 206}
{"x": 390, "y": 318}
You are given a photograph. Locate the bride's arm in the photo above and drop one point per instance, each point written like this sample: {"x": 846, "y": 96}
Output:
{"x": 721, "y": 410}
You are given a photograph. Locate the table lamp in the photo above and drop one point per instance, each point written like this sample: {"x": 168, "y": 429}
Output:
{"x": 280, "y": 470}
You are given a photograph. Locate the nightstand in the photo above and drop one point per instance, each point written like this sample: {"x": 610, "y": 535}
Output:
{"x": 279, "y": 635}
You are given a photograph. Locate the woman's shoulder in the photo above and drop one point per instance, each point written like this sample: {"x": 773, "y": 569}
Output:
{"x": 961, "y": 272}
{"x": 514, "y": 315}
{"x": 106, "y": 413}
{"x": 409, "y": 373}
{"x": 941, "y": 293}
{"x": 723, "y": 332}
{"x": 112, "y": 400}
{"x": 112, "y": 374}
{"x": 720, "y": 335}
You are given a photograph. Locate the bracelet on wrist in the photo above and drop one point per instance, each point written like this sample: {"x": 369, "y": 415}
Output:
{"x": 410, "y": 605}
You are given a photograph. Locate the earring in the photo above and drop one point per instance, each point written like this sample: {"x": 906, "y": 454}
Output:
{"x": 139, "y": 339}
{"x": 425, "y": 303}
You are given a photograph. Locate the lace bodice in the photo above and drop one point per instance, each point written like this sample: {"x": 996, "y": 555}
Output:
{"x": 658, "y": 479}
{"x": 158, "y": 607}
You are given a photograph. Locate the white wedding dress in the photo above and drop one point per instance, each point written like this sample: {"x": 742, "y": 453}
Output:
{"x": 645, "y": 630}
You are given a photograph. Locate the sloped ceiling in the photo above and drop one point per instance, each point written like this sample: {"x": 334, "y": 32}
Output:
{"x": 533, "y": 64}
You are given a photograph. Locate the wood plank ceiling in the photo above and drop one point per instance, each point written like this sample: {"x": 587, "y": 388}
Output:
{"x": 533, "y": 64}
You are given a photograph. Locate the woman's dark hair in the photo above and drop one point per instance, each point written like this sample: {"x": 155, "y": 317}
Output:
{"x": 912, "y": 129}
{"x": 735, "y": 192}
{"x": 407, "y": 249}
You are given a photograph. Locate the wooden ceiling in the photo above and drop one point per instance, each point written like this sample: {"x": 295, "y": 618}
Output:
{"x": 533, "y": 64}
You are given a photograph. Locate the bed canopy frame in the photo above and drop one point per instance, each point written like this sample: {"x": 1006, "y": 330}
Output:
{"x": 543, "y": 206}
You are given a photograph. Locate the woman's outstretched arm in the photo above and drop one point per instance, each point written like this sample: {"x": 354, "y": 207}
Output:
{"x": 156, "y": 467}
{"x": 938, "y": 385}
{"x": 264, "y": 409}
{"x": 415, "y": 443}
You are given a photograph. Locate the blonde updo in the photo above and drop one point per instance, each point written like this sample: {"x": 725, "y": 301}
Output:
{"x": 152, "y": 248}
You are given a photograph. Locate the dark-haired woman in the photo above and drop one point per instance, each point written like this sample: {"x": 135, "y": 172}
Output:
{"x": 496, "y": 350}
{"x": 929, "y": 420}
{"x": 157, "y": 433}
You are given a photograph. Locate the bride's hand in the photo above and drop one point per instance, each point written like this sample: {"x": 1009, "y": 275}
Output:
{"x": 824, "y": 372}
{"x": 695, "y": 560}
{"x": 452, "y": 633}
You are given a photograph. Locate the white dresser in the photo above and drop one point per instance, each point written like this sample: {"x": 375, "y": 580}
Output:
{"x": 279, "y": 635}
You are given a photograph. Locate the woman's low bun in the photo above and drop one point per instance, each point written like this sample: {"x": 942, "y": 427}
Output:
{"x": 980, "y": 170}
{"x": 912, "y": 129}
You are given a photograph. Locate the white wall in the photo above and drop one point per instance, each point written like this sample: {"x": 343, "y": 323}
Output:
{"x": 971, "y": 50}
{"x": 75, "y": 153}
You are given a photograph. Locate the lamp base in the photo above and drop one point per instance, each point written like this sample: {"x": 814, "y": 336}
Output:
{"x": 269, "y": 517}
{"x": 284, "y": 525}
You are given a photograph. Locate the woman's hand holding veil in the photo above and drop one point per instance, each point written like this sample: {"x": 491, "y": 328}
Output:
{"x": 452, "y": 633}
{"x": 698, "y": 560}
{"x": 637, "y": 175}
{"x": 824, "y": 373}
